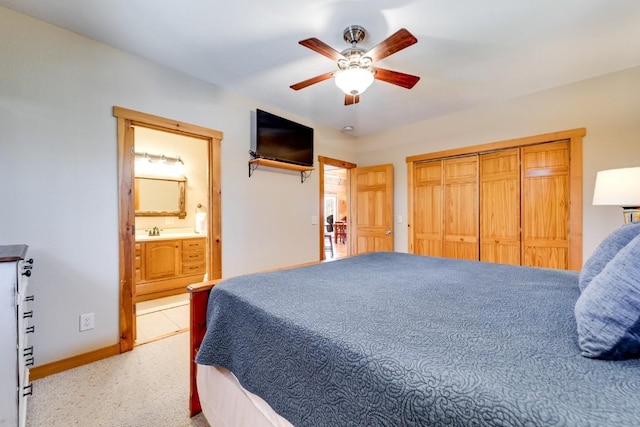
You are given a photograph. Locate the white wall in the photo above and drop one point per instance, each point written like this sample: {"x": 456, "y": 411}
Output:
{"x": 607, "y": 106}
{"x": 58, "y": 167}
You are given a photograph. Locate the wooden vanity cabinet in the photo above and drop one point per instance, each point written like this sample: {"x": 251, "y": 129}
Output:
{"x": 167, "y": 267}
{"x": 162, "y": 259}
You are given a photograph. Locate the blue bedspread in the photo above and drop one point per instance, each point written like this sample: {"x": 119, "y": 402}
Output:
{"x": 391, "y": 339}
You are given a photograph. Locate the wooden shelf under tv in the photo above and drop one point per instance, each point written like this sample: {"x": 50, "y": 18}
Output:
{"x": 305, "y": 171}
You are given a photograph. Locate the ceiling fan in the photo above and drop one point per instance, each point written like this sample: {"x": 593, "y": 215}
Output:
{"x": 355, "y": 71}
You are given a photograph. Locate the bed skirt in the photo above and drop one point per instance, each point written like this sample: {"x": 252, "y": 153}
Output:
{"x": 225, "y": 403}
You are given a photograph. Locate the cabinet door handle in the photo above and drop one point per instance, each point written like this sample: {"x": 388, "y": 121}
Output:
{"x": 30, "y": 329}
{"x": 27, "y": 314}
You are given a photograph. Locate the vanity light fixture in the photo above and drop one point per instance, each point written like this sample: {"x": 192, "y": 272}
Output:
{"x": 158, "y": 165}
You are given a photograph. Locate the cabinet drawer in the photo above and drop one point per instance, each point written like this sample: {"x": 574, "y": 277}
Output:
{"x": 193, "y": 244}
{"x": 193, "y": 268}
{"x": 137, "y": 264}
{"x": 193, "y": 256}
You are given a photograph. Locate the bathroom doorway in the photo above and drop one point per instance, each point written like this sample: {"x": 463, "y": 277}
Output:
{"x": 171, "y": 206}
{"x": 128, "y": 122}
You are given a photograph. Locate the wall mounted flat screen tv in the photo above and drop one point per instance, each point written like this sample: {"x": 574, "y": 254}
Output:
{"x": 280, "y": 139}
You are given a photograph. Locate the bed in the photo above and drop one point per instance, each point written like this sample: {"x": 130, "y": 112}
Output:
{"x": 393, "y": 339}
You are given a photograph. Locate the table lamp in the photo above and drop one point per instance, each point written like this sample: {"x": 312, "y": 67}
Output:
{"x": 619, "y": 187}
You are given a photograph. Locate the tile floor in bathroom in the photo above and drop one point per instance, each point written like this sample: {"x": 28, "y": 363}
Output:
{"x": 162, "y": 317}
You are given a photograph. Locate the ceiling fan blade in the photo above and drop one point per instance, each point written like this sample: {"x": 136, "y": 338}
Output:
{"x": 351, "y": 99}
{"x": 322, "y": 48}
{"x": 312, "y": 80}
{"x": 392, "y": 44}
{"x": 396, "y": 78}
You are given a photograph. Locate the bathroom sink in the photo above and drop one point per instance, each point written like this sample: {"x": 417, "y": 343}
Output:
{"x": 167, "y": 236}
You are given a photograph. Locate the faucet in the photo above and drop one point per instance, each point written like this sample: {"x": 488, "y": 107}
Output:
{"x": 154, "y": 232}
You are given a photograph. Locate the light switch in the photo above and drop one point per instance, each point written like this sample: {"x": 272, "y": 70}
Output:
{"x": 314, "y": 220}
{"x": 400, "y": 219}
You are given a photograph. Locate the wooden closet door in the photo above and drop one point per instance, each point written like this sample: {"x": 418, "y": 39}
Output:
{"x": 500, "y": 207}
{"x": 545, "y": 205}
{"x": 427, "y": 212}
{"x": 461, "y": 208}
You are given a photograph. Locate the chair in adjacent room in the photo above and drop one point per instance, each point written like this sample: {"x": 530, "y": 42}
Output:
{"x": 328, "y": 236}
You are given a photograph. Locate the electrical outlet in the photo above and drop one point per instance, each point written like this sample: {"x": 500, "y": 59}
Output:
{"x": 86, "y": 322}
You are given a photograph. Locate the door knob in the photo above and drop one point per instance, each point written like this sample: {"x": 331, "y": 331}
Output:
{"x": 388, "y": 232}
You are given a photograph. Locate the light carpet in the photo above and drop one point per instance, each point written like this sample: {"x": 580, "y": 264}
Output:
{"x": 148, "y": 386}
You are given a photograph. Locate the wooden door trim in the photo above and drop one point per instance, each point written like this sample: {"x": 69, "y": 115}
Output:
{"x": 574, "y": 136}
{"x": 322, "y": 161}
{"x": 126, "y": 119}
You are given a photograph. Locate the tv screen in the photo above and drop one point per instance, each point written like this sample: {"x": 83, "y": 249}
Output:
{"x": 280, "y": 139}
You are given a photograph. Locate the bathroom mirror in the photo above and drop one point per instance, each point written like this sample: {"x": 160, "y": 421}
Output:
{"x": 160, "y": 197}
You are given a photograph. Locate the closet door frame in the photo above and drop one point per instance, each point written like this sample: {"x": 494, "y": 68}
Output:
{"x": 573, "y": 136}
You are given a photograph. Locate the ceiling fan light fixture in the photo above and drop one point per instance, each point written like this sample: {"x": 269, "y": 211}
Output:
{"x": 354, "y": 80}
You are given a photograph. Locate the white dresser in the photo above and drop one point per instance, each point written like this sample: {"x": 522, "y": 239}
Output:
{"x": 16, "y": 327}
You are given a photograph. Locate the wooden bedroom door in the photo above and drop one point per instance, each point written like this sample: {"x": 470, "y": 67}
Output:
{"x": 371, "y": 213}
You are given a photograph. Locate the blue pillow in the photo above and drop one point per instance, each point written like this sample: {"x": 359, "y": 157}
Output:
{"x": 608, "y": 311}
{"x": 605, "y": 251}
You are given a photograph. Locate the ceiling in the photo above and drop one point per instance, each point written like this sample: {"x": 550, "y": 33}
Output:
{"x": 469, "y": 52}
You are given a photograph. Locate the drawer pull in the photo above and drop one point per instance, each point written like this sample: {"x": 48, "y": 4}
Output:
{"x": 30, "y": 329}
{"x": 27, "y": 314}
{"x": 28, "y": 361}
{"x": 29, "y": 298}
{"x": 28, "y": 390}
{"x": 28, "y": 351}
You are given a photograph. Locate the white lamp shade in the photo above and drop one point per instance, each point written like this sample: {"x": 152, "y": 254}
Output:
{"x": 353, "y": 81}
{"x": 619, "y": 187}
